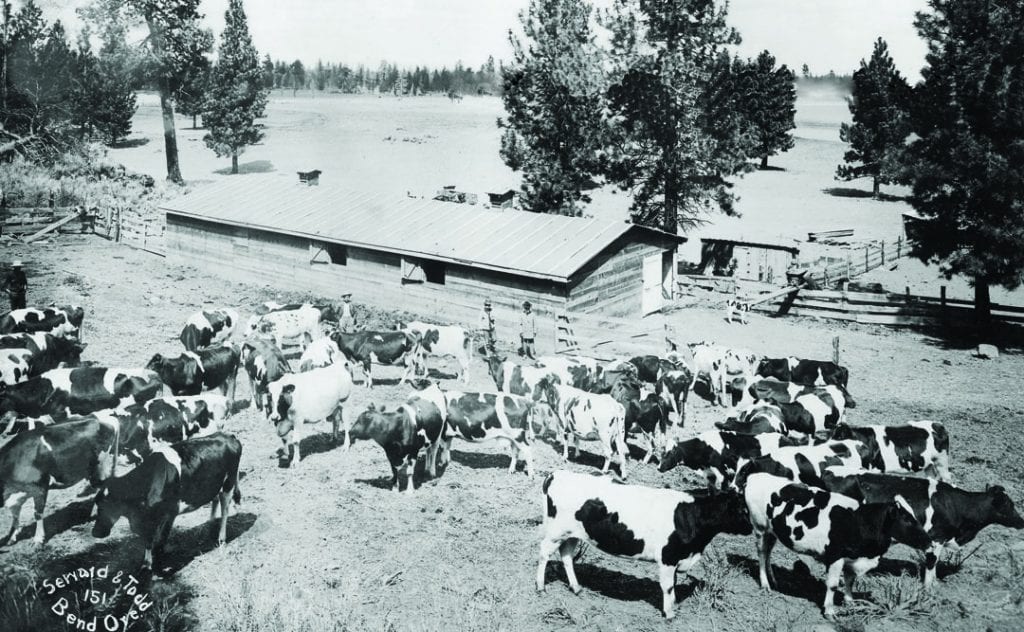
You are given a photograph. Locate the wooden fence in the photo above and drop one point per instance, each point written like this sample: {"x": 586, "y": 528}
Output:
{"x": 607, "y": 337}
{"x": 858, "y": 261}
{"x": 128, "y": 227}
{"x": 891, "y": 309}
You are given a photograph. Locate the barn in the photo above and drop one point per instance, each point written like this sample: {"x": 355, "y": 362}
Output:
{"x": 762, "y": 259}
{"x": 421, "y": 255}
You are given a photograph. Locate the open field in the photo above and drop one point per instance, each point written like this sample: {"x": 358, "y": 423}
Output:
{"x": 328, "y": 546}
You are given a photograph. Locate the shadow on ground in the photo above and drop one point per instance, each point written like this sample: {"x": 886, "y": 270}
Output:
{"x": 253, "y": 166}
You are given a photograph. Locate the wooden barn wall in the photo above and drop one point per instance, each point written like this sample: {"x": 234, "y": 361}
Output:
{"x": 373, "y": 277}
{"x": 612, "y": 283}
{"x": 757, "y": 263}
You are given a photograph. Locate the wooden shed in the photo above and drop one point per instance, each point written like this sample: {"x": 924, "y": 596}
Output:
{"x": 764, "y": 260}
{"x": 421, "y": 255}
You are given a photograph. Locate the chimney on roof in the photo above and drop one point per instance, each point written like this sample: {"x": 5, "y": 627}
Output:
{"x": 311, "y": 178}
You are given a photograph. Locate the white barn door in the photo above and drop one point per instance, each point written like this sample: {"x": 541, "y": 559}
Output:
{"x": 652, "y": 299}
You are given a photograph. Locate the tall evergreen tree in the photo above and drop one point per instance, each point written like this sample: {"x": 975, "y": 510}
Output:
{"x": 192, "y": 74}
{"x": 236, "y": 96}
{"x": 881, "y": 121}
{"x": 966, "y": 164}
{"x": 553, "y": 102}
{"x": 680, "y": 137}
{"x": 767, "y": 97}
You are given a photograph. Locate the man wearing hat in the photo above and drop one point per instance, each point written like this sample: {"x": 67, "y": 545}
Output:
{"x": 347, "y": 322}
{"x": 485, "y": 326}
{"x": 527, "y": 329}
{"x": 16, "y": 285}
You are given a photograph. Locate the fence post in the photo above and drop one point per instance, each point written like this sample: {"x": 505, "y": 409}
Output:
{"x": 899, "y": 246}
{"x": 846, "y": 288}
{"x": 866, "y": 259}
{"x": 942, "y": 298}
{"x": 835, "y": 349}
{"x": 883, "y": 252}
{"x": 849, "y": 263}
{"x": 908, "y": 294}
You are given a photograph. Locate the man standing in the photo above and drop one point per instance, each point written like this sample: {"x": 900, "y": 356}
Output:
{"x": 347, "y": 322}
{"x": 485, "y": 325}
{"x": 16, "y": 285}
{"x": 527, "y": 330}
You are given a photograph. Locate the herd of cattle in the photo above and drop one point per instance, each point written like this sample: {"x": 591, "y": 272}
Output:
{"x": 782, "y": 463}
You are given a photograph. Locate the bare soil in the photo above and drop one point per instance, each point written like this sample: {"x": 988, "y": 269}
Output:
{"x": 328, "y": 545}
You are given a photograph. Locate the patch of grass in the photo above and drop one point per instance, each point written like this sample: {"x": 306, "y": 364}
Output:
{"x": 21, "y": 605}
{"x": 716, "y": 592}
{"x": 893, "y": 597}
{"x": 1015, "y": 581}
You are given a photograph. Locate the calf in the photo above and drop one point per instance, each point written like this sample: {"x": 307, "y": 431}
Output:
{"x": 58, "y": 455}
{"x": 207, "y": 328}
{"x": 673, "y": 387}
{"x": 579, "y": 371}
{"x": 491, "y": 416}
{"x": 917, "y": 446}
{"x": 46, "y": 350}
{"x": 589, "y": 416}
{"x": 264, "y": 363}
{"x": 665, "y": 526}
{"x": 320, "y": 352}
{"x": 193, "y": 371}
{"x": 366, "y": 348}
{"x": 717, "y": 453}
{"x": 300, "y": 398}
{"x": 837, "y": 530}
{"x": 172, "y": 480}
{"x": 443, "y": 340}
{"x": 947, "y": 513}
{"x": 79, "y": 391}
{"x": 722, "y": 364}
{"x": 402, "y": 433}
{"x": 806, "y": 372}
{"x": 302, "y": 324}
{"x": 63, "y": 322}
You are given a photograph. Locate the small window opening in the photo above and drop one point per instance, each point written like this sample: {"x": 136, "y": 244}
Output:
{"x": 434, "y": 271}
{"x": 337, "y": 253}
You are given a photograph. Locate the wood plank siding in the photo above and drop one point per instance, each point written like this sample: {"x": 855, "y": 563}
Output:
{"x": 612, "y": 282}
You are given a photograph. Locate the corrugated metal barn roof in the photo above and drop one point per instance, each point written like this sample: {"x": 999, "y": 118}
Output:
{"x": 518, "y": 242}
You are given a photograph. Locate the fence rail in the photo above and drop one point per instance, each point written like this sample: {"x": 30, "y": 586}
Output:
{"x": 859, "y": 261}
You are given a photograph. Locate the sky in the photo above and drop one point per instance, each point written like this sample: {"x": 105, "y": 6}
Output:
{"x": 825, "y": 34}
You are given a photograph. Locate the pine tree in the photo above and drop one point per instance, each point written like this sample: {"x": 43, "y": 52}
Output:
{"x": 965, "y": 166}
{"x": 679, "y": 136}
{"x": 881, "y": 121}
{"x": 236, "y": 96}
{"x": 767, "y": 98}
{"x": 553, "y": 96}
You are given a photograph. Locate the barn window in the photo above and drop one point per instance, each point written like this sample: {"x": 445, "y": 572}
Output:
{"x": 433, "y": 271}
{"x": 337, "y": 253}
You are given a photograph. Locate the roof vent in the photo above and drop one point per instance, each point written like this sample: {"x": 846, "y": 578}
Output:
{"x": 311, "y": 178}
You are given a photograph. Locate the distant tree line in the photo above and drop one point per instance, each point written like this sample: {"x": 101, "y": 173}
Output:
{"x": 387, "y": 78}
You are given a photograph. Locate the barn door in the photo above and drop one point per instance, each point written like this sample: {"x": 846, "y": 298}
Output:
{"x": 652, "y": 299}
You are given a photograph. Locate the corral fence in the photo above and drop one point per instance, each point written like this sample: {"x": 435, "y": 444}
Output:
{"x": 127, "y": 226}
{"x": 607, "y": 337}
{"x": 855, "y": 261}
{"x": 885, "y": 308}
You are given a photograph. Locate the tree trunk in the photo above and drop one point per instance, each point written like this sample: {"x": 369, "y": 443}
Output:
{"x": 670, "y": 221}
{"x": 170, "y": 138}
{"x": 194, "y": 122}
{"x": 874, "y": 192}
{"x": 234, "y": 163}
{"x": 982, "y": 302}
{"x": 764, "y": 161}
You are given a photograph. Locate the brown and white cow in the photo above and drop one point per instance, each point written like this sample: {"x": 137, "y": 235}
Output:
{"x": 208, "y": 327}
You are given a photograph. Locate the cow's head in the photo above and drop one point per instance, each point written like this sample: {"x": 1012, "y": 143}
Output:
{"x": 901, "y": 525}
{"x": 494, "y": 367}
{"x": 108, "y": 511}
{"x": 1002, "y": 511}
{"x": 74, "y": 313}
{"x": 676, "y": 454}
{"x": 546, "y": 391}
{"x": 156, "y": 363}
{"x": 362, "y": 426}
{"x": 281, "y": 400}
{"x": 430, "y": 338}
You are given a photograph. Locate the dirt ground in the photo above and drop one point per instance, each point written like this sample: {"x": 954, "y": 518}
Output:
{"x": 328, "y": 545}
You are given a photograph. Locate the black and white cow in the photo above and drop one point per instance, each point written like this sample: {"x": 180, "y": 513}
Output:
{"x": 193, "y": 371}
{"x": 58, "y": 454}
{"x": 722, "y": 364}
{"x": 917, "y": 446}
{"x": 14, "y": 366}
{"x": 673, "y": 387}
{"x": 298, "y": 399}
{"x": 403, "y": 432}
{"x": 320, "y": 352}
{"x": 46, "y": 351}
{"x": 803, "y": 464}
{"x": 59, "y": 393}
{"x": 518, "y": 379}
{"x": 329, "y": 312}
{"x": 575, "y": 370}
{"x": 806, "y": 372}
{"x": 646, "y": 414}
{"x": 64, "y": 321}
{"x": 172, "y": 480}
{"x": 787, "y": 392}
{"x": 171, "y": 419}
{"x": 583, "y": 415}
{"x": 665, "y": 526}
{"x": 949, "y": 514}
{"x": 208, "y": 327}
{"x": 301, "y": 324}
{"x": 836, "y": 530}
{"x": 366, "y": 348}
{"x": 491, "y": 416}
{"x": 264, "y": 363}
{"x": 443, "y": 340}
{"x": 717, "y": 452}
{"x": 765, "y": 417}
